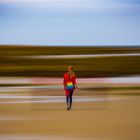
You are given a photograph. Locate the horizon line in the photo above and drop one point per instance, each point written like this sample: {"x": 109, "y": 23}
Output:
{"x": 29, "y": 45}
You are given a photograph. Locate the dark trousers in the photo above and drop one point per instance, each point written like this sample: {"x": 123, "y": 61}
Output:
{"x": 69, "y": 98}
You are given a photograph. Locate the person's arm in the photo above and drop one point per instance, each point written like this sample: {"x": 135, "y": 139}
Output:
{"x": 75, "y": 84}
{"x": 76, "y": 88}
{"x": 64, "y": 82}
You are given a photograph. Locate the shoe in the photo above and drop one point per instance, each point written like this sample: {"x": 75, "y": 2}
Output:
{"x": 68, "y": 108}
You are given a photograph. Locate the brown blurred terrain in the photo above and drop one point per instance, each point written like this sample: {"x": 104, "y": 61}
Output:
{"x": 32, "y": 100}
{"x": 112, "y": 120}
{"x": 15, "y": 61}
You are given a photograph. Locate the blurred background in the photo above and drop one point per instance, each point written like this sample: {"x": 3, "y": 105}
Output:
{"x": 39, "y": 39}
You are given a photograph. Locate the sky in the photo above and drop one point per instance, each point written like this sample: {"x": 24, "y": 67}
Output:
{"x": 70, "y": 22}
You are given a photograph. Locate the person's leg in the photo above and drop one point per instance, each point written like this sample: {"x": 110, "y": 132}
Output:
{"x": 71, "y": 93}
{"x": 68, "y": 101}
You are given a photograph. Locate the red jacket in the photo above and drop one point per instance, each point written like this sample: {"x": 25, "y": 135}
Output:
{"x": 67, "y": 79}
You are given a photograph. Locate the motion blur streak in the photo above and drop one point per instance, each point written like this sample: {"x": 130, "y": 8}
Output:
{"x": 32, "y": 101}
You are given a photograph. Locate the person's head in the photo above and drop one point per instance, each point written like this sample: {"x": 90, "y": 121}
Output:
{"x": 70, "y": 69}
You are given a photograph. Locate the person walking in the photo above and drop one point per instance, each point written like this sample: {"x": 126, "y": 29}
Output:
{"x": 69, "y": 86}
